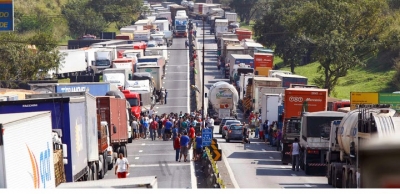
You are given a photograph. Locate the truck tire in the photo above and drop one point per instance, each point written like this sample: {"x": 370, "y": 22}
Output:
{"x": 130, "y": 140}
{"x": 90, "y": 173}
{"x": 94, "y": 172}
{"x": 105, "y": 166}
{"x": 101, "y": 171}
{"x": 330, "y": 178}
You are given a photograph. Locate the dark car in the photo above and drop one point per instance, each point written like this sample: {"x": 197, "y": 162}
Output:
{"x": 222, "y": 123}
{"x": 228, "y": 123}
{"x": 235, "y": 132}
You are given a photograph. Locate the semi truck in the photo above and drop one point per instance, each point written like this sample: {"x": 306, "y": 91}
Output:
{"x": 69, "y": 116}
{"x": 116, "y": 77}
{"x": 355, "y": 129}
{"x": 113, "y": 111}
{"x": 140, "y": 93}
{"x": 268, "y": 90}
{"x": 180, "y": 26}
{"x": 125, "y": 63}
{"x": 103, "y": 59}
{"x": 73, "y": 63}
{"x": 156, "y": 76}
{"x": 158, "y": 59}
{"x": 269, "y": 108}
{"x": 26, "y": 151}
{"x": 298, "y": 101}
{"x": 223, "y": 99}
{"x": 314, "y": 140}
{"x": 288, "y": 80}
{"x": 95, "y": 89}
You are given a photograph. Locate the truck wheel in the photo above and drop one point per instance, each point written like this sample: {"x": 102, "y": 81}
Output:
{"x": 89, "y": 176}
{"x": 101, "y": 171}
{"x": 130, "y": 140}
{"x": 330, "y": 177}
{"x": 126, "y": 151}
{"x": 105, "y": 166}
{"x": 94, "y": 172}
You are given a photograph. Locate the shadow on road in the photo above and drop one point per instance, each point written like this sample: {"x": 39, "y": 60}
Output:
{"x": 305, "y": 186}
{"x": 273, "y": 172}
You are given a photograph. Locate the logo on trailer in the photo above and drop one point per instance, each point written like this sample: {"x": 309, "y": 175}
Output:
{"x": 295, "y": 99}
{"x": 222, "y": 94}
{"x": 313, "y": 100}
{"x": 41, "y": 173}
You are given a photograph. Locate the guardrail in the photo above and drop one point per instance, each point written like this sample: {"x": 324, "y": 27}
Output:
{"x": 210, "y": 169}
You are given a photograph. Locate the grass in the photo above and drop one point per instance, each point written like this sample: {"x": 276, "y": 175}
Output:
{"x": 64, "y": 80}
{"x": 361, "y": 79}
{"x": 245, "y": 26}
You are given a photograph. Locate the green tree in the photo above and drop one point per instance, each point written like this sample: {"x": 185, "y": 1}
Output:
{"x": 121, "y": 12}
{"x": 19, "y": 62}
{"x": 343, "y": 32}
{"x": 83, "y": 20}
{"x": 270, "y": 30}
{"x": 246, "y": 9}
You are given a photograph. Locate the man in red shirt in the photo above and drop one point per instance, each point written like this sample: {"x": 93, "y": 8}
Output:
{"x": 192, "y": 135}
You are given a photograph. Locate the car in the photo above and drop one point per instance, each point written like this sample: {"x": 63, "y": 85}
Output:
{"x": 228, "y": 123}
{"x": 235, "y": 132}
{"x": 222, "y": 123}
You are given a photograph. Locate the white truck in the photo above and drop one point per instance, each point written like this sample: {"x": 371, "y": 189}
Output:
{"x": 156, "y": 74}
{"x": 223, "y": 99}
{"x": 221, "y": 26}
{"x": 269, "y": 109}
{"x": 258, "y": 83}
{"x": 26, "y": 151}
{"x": 163, "y": 25}
{"x": 166, "y": 15}
{"x": 141, "y": 35}
{"x": 103, "y": 59}
{"x": 73, "y": 63}
{"x": 269, "y": 90}
{"x": 117, "y": 77}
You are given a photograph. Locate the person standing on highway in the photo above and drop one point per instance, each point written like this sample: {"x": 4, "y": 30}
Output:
{"x": 168, "y": 129}
{"x": 175, "y": 131}
{"x": 146, "y": 126}
{"x": 177, "y": 146}
{"x": 184, "y": 141}
{"x": 257, "y": 126}
{"x": 160, "y": 126}
{"x": 199, "y": 146}
{"x": 245, "y": 132}
{"x": 153, "y": 129}
{"x": 141, "y": 127}
{"x": 186, "y": 43}
{"x": 278, "y": 140}
{"x": 135, "y": 128}
{"x": 210, "y": 123}
{"x": 165, "y": 98}
{"x": 265, "y": 129}
{"x": 162, "y": 96}
{"x": 295, "y": 153}
{"x": 121, "y": 166}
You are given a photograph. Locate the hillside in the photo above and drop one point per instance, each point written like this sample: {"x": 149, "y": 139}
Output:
{"x": 376, "y": 76}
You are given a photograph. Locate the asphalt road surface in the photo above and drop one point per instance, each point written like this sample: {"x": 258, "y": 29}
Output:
{"x": 254, "y": 165}
{"x": 149, "y": 158}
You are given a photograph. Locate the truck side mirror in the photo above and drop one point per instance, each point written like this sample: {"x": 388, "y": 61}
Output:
{"x": 98, "y": 135}
{"x": 114, "y": 129}
{"x": 141, "y": 103}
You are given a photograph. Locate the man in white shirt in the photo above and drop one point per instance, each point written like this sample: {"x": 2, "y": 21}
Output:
{"x": 295, "y": 152}
{"x": 121, "y": 166}
{"x": 210, "y": 123}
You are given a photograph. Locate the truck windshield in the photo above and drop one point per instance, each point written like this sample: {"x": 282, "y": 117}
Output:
{"x": 103, "y": 63}
{"x": 318, "y": 125}
{"x": 133, "y": 101}
{"x": 181, "y": 28}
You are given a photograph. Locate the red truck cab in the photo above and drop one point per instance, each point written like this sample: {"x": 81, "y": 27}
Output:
{"x": 340, "y": 104}
{"x": 135, "y": 102}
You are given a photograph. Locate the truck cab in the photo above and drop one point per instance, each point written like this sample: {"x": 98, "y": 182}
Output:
{"x": 103, "y": 59}
{"x": 134, "y": 100}
{"x": 181, "y": 26}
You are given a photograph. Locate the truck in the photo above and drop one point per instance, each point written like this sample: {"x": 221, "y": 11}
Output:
{"x": 223, "y": 99}
{"x": 221, "y": 26}
{"x": 314, "y": 140}
{"x": 239, "y": 70}
{"x": 165, "y": 15}
{"x": 95, "y": 89}
{"x": 103, "y": 59}
{"x": 113, "y": 111}
{"x": 357, "y": 128}
{"x": 335, "y": 105}
{"x": 235, "y": 60}
{"x": 141, "y": 35}
{"x": 298, "y": 101}
{"x": 163, "y": 25}
{"x": 117, "y": 77}
{"x": 268, "y": 90}
{"x": 156, "y": 76}
{"x": 288, "y": 80}
{"x": 128, "y": 63}
{"x": 29, "y": 135}
{"x": 140, "y": 93}
{"x": 250, "y": 48}
{"x": 272, "y": 72}
{"x": 180, "y": 26}
{"x": 269, "y": 109}
{"x": 173, "y": 9}
{"x": 73, "y": 63}
{"x": 231, "y": 17}
{"x": 243, "y": 83}
{"x": 159, "y": 60}
{"x": 70, "y": 119}
{"x": 258, "y": 82}
{"x": 147, "y": 182}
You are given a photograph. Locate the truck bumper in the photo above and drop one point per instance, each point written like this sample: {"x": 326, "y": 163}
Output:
{"x": 314, "y": 161}
{"x": 286, "y": 158}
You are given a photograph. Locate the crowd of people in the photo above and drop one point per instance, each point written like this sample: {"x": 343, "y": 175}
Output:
{"x": 266, "y": 131}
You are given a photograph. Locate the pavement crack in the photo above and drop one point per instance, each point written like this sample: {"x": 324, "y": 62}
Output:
{"x": 167, "y": 167}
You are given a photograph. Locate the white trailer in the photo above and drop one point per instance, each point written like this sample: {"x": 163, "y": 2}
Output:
{"x": 269, "y": 90}
{"x": 269, "y": 109}
{"x": 26, "y": 151}
{"x": 73, "y": 62}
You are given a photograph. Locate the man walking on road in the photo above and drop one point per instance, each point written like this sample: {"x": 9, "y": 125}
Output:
{"x": 184, "y": 147}
{"x": 168, "y": 130}
{"x": 177, "y": 147}
{"x": 135, "y": 128}
{"x": 295, "y": 152}
{"x": 165, "y": 98}
{"x": 121, "y": 166}
{"x": 199, "y": 147}
{"x": 153, "y": 129}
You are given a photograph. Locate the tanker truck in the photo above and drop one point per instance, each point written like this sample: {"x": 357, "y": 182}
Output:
{"x": 223, "y": 99}
{"x": 347, "y": 134}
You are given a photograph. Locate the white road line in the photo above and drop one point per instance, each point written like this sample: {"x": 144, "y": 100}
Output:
{"x": 143, "y": 144}
{"x": 294, "y": 175}
{"x": 155, "y": 165}
{"x": 271, "y": 157}
{"x": 264, "y": 150}
{"x": 283, "y": 167}
{"x": 192, "y": 172}
{"x": 184, "y": 80}
{"x": 307, "y": 185}
{"x": 152, "y": 155}
{"x": 140, "y": 150}
{"x": 231, "y": 175}
{"x": 136, "y": 158}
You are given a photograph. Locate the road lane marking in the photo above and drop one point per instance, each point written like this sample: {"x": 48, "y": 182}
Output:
{"x": 307, "y": 185}
{"x": 294, "y": 175}
{"x": 157, "y": 165}
{"x": 192, "y": 172}
{"x": 140, "y": 150}
{"x": 271, "y": 157}
{"x": 153, "y": 155}
{"x": 145, "y": 143}
{"x": 136, "y": 158}
{"x": 228, "y": 167}
{"x": 264, "y": 150}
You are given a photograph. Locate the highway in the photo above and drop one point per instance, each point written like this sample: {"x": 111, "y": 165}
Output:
{"x": 148, "y": 157}
{"x": 254, "y": 165}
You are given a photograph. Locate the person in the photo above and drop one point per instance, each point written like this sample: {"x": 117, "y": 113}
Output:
{"x": 184, "y": 141}
{"x": 194, "y": 33}
{"x": 168, "y": 129}
{"x": 186, "y": 43}
{"x": 141, "y": 128}
{"x": 135, "y": 128}
{"x": 153, "y": 129}
{"x": 257, "y": 126}
{"x": 265, "y": 128}
{"x": 160, "y": 126}
{"x": 165, "y": 97}
{"x": 121, "y": 166}
{"x": 245, "y": 132}
{"x": 146, "y": 126}
{"x": 177, "y": 146}
{"x": 175, "y": 132}
{"x": 192, "y": 135}
{"x": 199, "y": 146}
{"x": 295, "y": 153}
{"x": 270, "y": 134}
{"x": 278, "y": 140}
{"x": 162, "y": 96}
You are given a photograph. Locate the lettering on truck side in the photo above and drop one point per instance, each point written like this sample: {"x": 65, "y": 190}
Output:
{"x": 73, "y": 89}
{"x": 300, "y": 99}
{"x": 41, "y": 172}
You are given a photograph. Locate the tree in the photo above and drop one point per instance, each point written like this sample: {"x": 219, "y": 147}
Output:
{"x": 121, "y": 12}
{"x": 19, "y": 62}
{"x": 245, "y": 9}
{"x": 83, "y": 20}
{"x": 343, "y": 32}
{"x": 271, "y": 31}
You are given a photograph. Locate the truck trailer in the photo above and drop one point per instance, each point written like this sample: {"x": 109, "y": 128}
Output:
{"x": 26, "y": 151}
{"x": 95, "y": 89}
